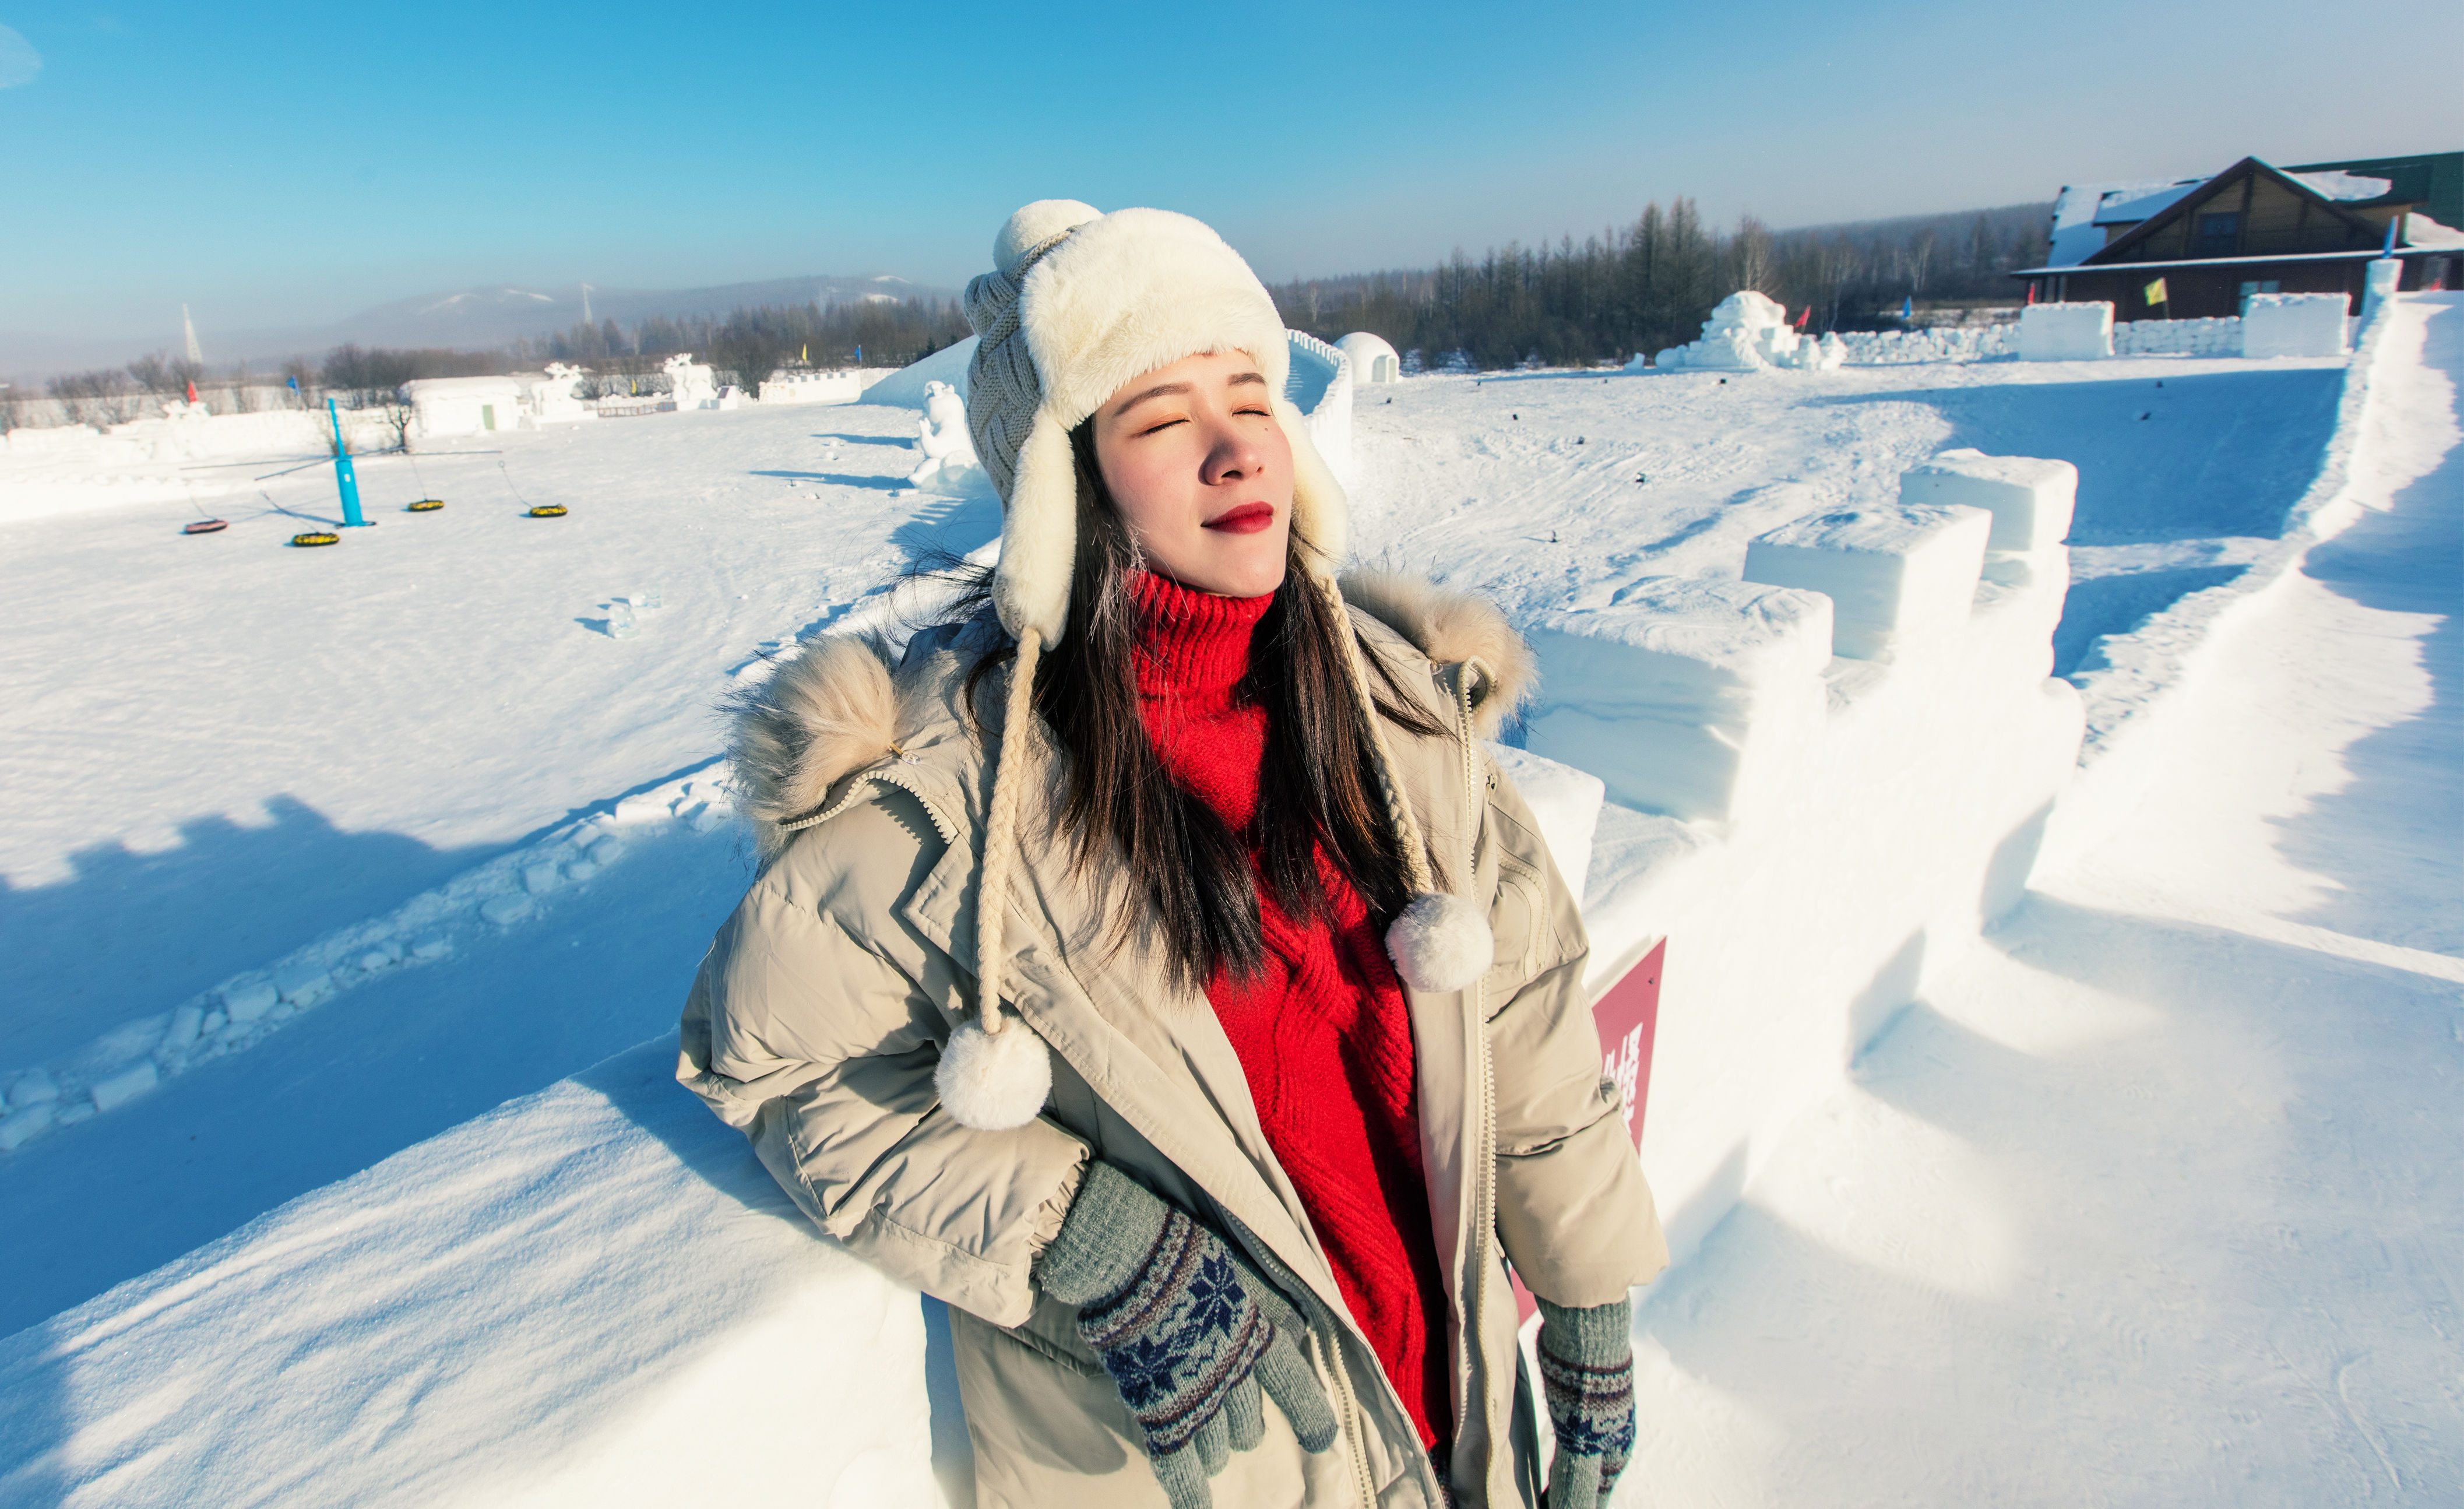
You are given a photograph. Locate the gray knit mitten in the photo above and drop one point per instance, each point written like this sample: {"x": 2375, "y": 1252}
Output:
{"x": 1188, "y": 1333}
{"x": 1587, "y": 1371}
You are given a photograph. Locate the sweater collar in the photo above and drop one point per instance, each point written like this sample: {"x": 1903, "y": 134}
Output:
{"x": 1191, "y": 645}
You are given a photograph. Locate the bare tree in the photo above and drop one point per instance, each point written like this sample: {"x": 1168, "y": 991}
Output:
{"x": 1750, "y": 255}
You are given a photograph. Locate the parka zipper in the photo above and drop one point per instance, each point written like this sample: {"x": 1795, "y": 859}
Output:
{"x": 1484, "y": 1141}
{"x": 886, "y": 776}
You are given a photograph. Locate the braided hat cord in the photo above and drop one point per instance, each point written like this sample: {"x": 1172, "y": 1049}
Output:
{"x": 1000, "y": 825}
{"x": 1399, "y": 812}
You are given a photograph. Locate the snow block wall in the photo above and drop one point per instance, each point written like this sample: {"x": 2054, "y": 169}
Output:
{"x": 1827, "y": 777}
{"x": 185, "y": 436}
{"x": 2066, "y": 332}
{"x": 1320, "y": 386}
{"x": 1942, "y": 343}
{"x": 2220, "y": 337}
{"x": 2293, "y": 324}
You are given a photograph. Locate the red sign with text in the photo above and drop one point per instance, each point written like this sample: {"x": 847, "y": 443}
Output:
{"x": 1627, "y": 1015}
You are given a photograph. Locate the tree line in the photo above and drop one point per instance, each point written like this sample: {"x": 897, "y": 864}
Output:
{"x": 1641, "y": 287}
{"x": 1650, "y": 285}
{"x": 744, "y": 346}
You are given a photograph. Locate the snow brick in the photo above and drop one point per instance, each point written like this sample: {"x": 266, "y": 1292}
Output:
{"x": 1899, "y": 577}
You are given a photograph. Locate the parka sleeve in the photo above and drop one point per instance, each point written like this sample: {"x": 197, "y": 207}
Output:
{"x": 1574, "y": 1209}
{"x": 820, "y": 1050}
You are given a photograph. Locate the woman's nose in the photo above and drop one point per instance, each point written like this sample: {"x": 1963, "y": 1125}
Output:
{"x": 1233, "y": 458}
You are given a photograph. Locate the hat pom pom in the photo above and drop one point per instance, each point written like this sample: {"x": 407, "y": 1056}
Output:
{"x": 993, "y": 1081}
{"x": 1440, "y": 942}
{"x": 1038, "y": 225}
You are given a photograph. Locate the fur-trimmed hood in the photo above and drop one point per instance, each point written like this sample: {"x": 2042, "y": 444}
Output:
{"x": 841, "y": 705}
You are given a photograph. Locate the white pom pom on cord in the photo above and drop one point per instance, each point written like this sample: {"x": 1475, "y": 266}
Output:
{"x": 993, "y": 1081}
{"x": 1440, "y": 942}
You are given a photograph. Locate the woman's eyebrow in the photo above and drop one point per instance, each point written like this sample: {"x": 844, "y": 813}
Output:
{"x": 1159, "y": 391}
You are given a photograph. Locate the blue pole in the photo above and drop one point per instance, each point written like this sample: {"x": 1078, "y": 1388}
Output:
{"x": 350, "y": 485}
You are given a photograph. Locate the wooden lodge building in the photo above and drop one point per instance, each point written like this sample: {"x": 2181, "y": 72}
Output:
{"x": 2203, "y": 246}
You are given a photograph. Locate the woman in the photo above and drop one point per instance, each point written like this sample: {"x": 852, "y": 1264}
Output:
{"x": 1152, "y": 965}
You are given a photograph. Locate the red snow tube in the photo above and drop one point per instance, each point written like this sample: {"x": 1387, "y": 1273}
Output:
{"x": 203, "y": 526}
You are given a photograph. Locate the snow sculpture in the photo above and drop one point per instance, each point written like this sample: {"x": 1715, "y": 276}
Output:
{"x": 1373, "y": 360}
{"x": 2082, "y": 332}
{"x": 554, "y": 396}
{"x": 695, "y": 385}
{"x": 1748, "y": 332}
{"x": 942, "y": 434}
{"x": 2293, "y": 324}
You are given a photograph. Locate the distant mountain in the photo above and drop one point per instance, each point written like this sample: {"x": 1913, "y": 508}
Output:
{"x": 464, "y": 318}
{"x": 477, "y": 317}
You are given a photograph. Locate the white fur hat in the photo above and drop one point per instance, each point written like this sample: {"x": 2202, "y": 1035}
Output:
{"x": 1078, "y": 303}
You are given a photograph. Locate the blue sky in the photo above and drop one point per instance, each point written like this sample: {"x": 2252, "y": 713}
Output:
{"x": 287, "y": 165}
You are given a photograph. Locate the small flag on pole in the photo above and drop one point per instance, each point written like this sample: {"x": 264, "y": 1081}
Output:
{"x": 2156, "y": 293}
{"x": 2393, "y": 222}
{"x": 193, "y": 389}
{"x": 2032, "y": 291}
{"x": 1803, "y": 314}
{"x": 1908, "y": 307}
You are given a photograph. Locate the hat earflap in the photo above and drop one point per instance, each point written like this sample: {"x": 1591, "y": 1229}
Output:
{"x": 1039, "y": 535}
{"x": 1320, "y": 511}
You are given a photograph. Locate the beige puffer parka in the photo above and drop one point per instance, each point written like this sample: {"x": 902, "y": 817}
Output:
{"x": 817, "y": 1017}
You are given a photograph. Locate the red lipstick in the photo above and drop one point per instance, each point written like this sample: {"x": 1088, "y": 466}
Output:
{"x": 1245, "y": 520}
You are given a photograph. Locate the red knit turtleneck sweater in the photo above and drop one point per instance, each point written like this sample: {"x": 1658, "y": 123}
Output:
{"x": 1324, "y": 1035}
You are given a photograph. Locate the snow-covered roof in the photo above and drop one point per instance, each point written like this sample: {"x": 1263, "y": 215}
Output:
{"x": 467, "y": 386}
{"x": 2419, "y": 230}
{"x": 2339, "y": 184}
{"x": 2083, "y": 211}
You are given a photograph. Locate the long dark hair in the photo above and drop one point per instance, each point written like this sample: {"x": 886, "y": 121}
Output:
{"x": 1318, "y": 784}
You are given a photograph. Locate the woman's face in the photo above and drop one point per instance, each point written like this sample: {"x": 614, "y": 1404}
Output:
{"x": 1202, "y": 473}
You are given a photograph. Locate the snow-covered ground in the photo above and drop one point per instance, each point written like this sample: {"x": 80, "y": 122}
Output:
{"x": 226, "y": 750}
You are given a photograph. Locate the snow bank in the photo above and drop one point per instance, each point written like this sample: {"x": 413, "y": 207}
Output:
{"x": 593, "y": 1296}
{"x": 2293, "y": 324}
{"x": 2066, "y": 332}
{"x": 806, "y": 387}
{"x": 1811, "y": 831}
{"x": 905, "y": 388}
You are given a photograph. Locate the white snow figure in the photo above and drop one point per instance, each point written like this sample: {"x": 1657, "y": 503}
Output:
{"x": 695, "y": 385}
{"x": 942, "y": 434}
{"x": 1746, "y": 332}
{"x": 552, "y": 395}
